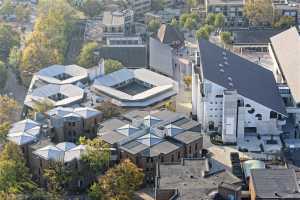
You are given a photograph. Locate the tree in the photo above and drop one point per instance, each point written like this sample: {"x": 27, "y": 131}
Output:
{"x": 192, "y": 3}
{"x": 58, "y": 175}
{"x": 183, "y": 19}
{"x": 9, "y": 38}
{"x": 14, "y": 58}
{"x": 219, "y": 20}
{"x": 3, "y": 75}
{"x": 119, "y": 182}
{"x": 97, "y": 154}
{"x": 225, "y": 38}
{"x": 109, "y": 110}
{"x": 4, "y": 128}
{"x": 169, "y": 105}
{"x": 14, "y": 175}
{"x": 259, "y": 12}
{"x": 7, "y": 8}
{"x": 190, "y": 23}
{"x": 153, "y": 25}
{"x": 22, "y": 13}
{"x": 210, "y": 19}
{"x": 285, "y": 22}
{"x": 204, "y": 32}
{"x": 174, "y": 23}
{"x": 188, "y": 81}
{"x": 43, "y": 106}
{"x": 87, "y": 57}
{"x": 112, "y": 65}
{"x": 9, "y": 110}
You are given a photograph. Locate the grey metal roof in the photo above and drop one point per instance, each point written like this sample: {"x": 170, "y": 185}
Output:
{"x": 188, "y": 137}
{"x": 286, "y": 47}
{"x": 160, "y": 57}
{"x": 24, "y": 132}
{"x": 253, "y": 36}
{"x": 275, "y": 183}
{"x": 129, "y": 56}
{"x": 249, "y": 79}
{"x": 170, "y": 35}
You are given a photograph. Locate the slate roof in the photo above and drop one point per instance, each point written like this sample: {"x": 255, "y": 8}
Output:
{"x": 131, "y": 57}
{"x": 286, "y": 47}
{"x": 275, "y": 183}
{"x": 84, "y": 112}
{"x": 236, "y": 73}
{"x": 253, "y": 37}
{"x": 169, "y": 35}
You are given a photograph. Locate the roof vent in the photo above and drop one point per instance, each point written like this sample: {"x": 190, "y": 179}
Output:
{"x": 229, "y": 78}
{"x": 230, "y": 84}
{"x": 224, "y": 53}
{"x": 226, "y": 63}
{"x": 222, "y": 70}
{"x": 225, "y": 58}
{"x": 221, "y": 65}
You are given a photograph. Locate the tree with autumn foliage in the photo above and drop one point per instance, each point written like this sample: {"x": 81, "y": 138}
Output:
{"x": 119, "y": 182}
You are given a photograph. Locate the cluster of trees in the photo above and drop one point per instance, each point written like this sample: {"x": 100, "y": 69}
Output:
{"x": 90, "y": 8}
{"x": 260, "y": 13}
{"x": 153, "y": 25}
{"x": 22, "y": 12}
{"x": 212, "y": 22}
{"x": 119, "y": 182}
{"x": 48, "y": 42}
{"x": 15, "y": 179}
{"x": 189, "y": 21}
{"x": 87, "y": 57}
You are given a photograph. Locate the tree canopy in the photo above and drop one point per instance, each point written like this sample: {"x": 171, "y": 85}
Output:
{"x": 259, "y": 12}
{"x": 112, "y": 65}
{"x": 9, "y": 110}
{"x": 119, "y": 182}
{"x": 9, "y": 38}
{"x": 285, "y": 22}
{"x": 225, "y": 38}
{"x": 87, "y": 58}
{"x": 3, "y": 75}
{"x": 153, "y": 25}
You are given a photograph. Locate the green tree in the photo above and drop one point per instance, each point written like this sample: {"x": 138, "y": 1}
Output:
{"x": 43, "y": 106}
{"x": 259, "y": 12}
{"x": 187, "y": 80}
{"x": 169, "y": 105}
{"x": 210, "y": 19}
{"x": 95, "y": 192}
{"x": 58, "y": 175}
{"x": 153, "y": 25}
{"x": 3, "y": 75}
{"x": 225, "y": 38}
{"x": 174, "y": 23}
{"x": 219, "y": 20}
{"x": 97, "y": 154}
{"x": 112, "y": 65}
{"x": 190, "y": 23}
{"x": 9, "y": 38}
{"x": 7, "y": 8}
{"x": 204, "y": 32}
{"x": 4, "y": 128}
{"x": 22, "y": 13}
{"x": 87, "y": 57}
{"x": 119, "y": 182}
{"x": 14, "y": 58}
{"x": 14, "y": 175}
{"x": 192, "y": 3}
{"x": 9, "y": 110}
{"x": 284, "y": 22}
{"x": 183, "y": 19}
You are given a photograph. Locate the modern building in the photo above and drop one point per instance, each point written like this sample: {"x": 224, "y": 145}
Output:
{"x": 168, "y": 54}
{"x": 68, "y": 124}
{"x": 266, "y": 184}
{"x": 234, "y": 96}
{"x": 151, "y": 137}
{"x": 135, "y": 87}
{"x": 284, "y": 49}
{"x": 193, "y": 179}
{"x": 231, "y": 9}
{"x": 140, "y": 7}
{"x": 118, "y": 23}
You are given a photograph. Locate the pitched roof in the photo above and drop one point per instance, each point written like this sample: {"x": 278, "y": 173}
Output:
{"x": 50, "y": 153}
{"x": 275, "y": 183}
{"x": 253, "y": 36}
{"x": 127, "y": 129}
{"x": 236, "y": 73}
{"x": 169, "y": 35}
{"x": 286, "y": 47}
{"x": 84, "y": 112}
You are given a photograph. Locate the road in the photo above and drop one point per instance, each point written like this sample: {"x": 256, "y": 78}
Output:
{"x": 13, "y": 88}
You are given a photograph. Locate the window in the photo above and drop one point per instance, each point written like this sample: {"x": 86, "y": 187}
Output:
{"x": 151, "y": 160}
{"x": 162, "y": 159}
{"x": 258, "y": 116}
{"x": 196, "y": 147}
{"x": 178, "y": 155}
{"x": 73, "y": 123}
{"x": 251, "y": 111}
{"x": 172, "y": 158}
{"x": 147, "y": 160}
{"x": 190, "y": 149}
